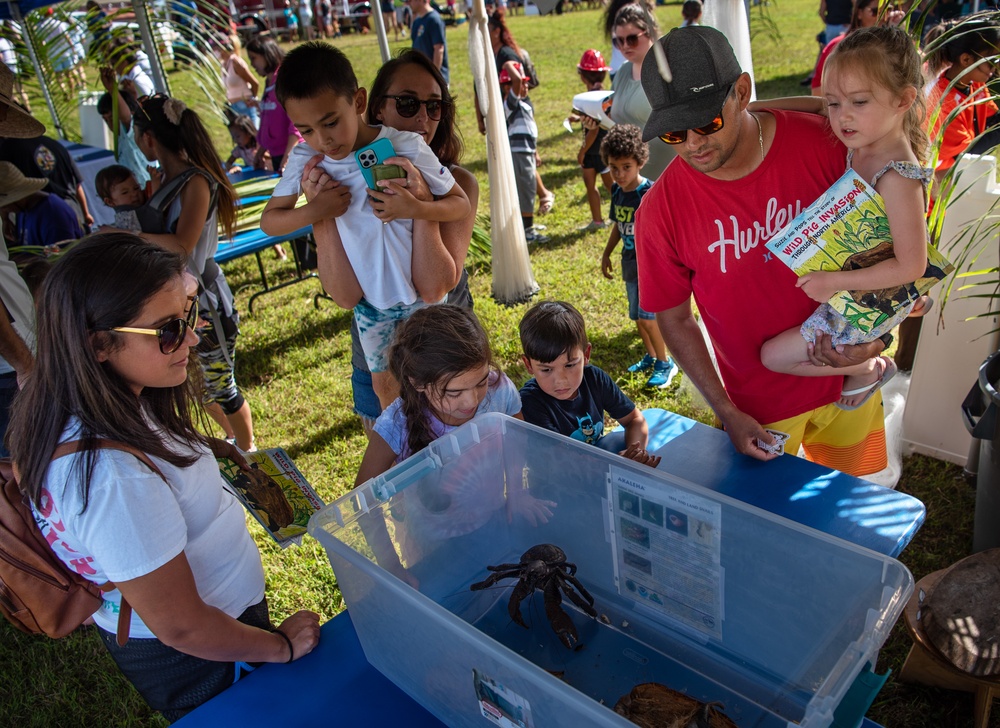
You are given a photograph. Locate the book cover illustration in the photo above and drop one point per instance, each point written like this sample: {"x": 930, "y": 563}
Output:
{"x": 847, "y": 229}
{"x": 274, "y": 492}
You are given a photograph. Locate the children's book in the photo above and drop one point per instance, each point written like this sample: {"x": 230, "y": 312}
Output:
{"x": 274, "y": 492}
{"x": 847, "y": 229}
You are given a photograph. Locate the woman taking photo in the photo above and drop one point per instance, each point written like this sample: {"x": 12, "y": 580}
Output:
{"x": 634, "y": 32}
{"x": 114, "y": 339}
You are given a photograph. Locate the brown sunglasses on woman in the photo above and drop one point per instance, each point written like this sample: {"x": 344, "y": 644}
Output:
{"x": 626, "y": 41}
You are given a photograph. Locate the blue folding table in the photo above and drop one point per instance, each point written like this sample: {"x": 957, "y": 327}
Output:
{"x": 256, "y": 241}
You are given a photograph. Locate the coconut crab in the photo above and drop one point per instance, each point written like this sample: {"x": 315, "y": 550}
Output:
{"x": 544, "y": 567}
{"x": 652, "y": 705}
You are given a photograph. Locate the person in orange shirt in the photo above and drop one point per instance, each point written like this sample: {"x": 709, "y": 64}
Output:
{"x": 959, "y": 104}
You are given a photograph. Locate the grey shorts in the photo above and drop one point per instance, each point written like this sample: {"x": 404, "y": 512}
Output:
{"x": 524, "y": 175}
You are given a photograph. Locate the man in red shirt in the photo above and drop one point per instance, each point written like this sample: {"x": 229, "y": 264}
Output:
{"x": 740, "y": 177}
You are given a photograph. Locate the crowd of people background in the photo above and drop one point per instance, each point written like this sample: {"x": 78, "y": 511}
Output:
{"x": 129, "y": 304}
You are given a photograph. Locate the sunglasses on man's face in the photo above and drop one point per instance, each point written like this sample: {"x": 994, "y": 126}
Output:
{"x": 679, "y": 137}
{"x": 626, "y": 41}
{"x": 408, "y": 106}
{"x": 171, "y": 335}
{"x": 716, "y": 124}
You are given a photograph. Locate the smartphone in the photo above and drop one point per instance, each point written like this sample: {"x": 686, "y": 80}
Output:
{"x": 373, "y": 155}
{"x": 387, "y": 171}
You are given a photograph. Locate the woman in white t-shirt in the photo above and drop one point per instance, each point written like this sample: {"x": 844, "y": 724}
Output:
{"x": 174, "y": 543}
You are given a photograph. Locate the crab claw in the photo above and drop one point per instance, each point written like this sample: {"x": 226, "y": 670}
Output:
{"x": 520, "y": 592}
{"x": 562, "y": 625}
{"x": 704, "y": 719}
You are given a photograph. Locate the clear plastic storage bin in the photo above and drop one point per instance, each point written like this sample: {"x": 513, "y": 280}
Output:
{"x": 694, "y": 590}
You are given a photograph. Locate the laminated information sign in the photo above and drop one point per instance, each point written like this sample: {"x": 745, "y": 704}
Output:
{"x": 667, "y": 545}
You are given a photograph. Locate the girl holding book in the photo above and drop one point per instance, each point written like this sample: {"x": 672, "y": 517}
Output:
{"x": 871, "y": 84}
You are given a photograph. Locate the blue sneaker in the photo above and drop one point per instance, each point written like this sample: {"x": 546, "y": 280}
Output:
{"x": 645, "y": 363}
{"x": 663, "y": 373}
{"x": 533, "y": 237}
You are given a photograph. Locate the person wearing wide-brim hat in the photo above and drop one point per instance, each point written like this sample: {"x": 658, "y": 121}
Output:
{"x": 17, "y": 320}
{"x": 15, "y": 121}
{"x": 14, "y": 186}
{"x": 42, "y": 218}
{"x": 740, "y": 175}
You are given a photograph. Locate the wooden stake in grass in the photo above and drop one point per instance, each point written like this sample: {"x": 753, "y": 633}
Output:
{"x": 513, "y": 280}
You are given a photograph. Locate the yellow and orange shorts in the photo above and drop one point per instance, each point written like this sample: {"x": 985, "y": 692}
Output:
{"x": 852, "y": 441}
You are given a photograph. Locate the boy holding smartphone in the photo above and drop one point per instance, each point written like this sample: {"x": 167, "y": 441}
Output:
{"x": 366, "y": 255}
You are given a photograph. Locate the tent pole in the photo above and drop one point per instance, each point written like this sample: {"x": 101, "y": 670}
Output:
{"x": 383, "y": 39}
{"x": 149, "y": 44}
{"x": 29, "y": 41}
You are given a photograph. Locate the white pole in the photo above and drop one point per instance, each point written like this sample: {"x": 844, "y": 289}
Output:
{"x": 513, "y": 280}
{"x": 383, "y": 39}
{"x": 149, "y": 45}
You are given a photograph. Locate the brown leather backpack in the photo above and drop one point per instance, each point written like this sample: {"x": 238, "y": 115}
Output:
{"x": 38, "y": 594}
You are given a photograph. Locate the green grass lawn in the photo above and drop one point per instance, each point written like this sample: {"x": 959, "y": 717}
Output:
{"x": 294, "y": 366}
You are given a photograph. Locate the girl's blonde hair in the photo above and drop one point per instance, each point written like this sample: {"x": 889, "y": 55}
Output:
{"x": 888, "y": 57}
{"x": 244, "y": 123}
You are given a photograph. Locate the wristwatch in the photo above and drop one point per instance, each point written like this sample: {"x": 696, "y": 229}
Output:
{"x": 886, "y": 340}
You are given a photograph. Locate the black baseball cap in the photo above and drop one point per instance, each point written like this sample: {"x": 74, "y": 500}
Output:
{"x": 704, "y": 68}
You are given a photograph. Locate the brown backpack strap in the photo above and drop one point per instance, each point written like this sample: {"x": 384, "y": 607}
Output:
{"x": 75, "y": 446}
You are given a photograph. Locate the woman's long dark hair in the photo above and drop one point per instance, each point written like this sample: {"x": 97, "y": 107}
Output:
{"x": 856, "y": 7}
{"x": 101, "y": 283}
{"x": 506, "y": 37}
{"x": 268, "y": 49}
{"x": 190, "y": 140}
{"x": 447, "y": 141}
{"x": 432, "y": 347}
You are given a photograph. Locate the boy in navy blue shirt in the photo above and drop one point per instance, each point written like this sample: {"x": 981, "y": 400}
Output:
{"x": 41, "y": 219}
{"x": 625, "y": 153}
{"x": 569, "y": 395}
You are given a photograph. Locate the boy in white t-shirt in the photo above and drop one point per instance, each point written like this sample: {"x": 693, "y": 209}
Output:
{"x": 366, "y": 256}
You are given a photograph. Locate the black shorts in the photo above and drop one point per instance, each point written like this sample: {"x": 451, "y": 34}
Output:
{"x": 173, "y": 682}
{"x": 592, "y": 160}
